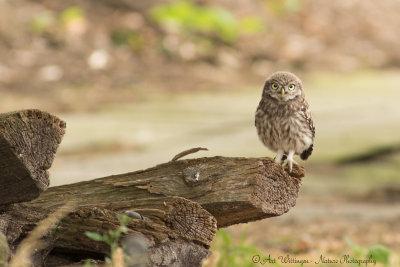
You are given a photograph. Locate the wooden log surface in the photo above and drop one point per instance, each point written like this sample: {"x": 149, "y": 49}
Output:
{"x": 176, "y": 229}
{"x": 184, "y": 200}
{"x": 28, "y": 142}
{"x": 233, "y": 190}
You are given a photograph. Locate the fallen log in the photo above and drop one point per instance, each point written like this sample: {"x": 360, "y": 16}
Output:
{"x": 180, "y": 206}
{"x": 233, "y": 190}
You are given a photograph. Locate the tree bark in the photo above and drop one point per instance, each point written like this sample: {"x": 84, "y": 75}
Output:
{"x": 233, "y": 190}
{"x": 28, "y": 142}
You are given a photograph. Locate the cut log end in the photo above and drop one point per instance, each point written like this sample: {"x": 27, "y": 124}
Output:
{"x": 277, "y": 188}
{"x": 270, "y": 191}
{"x": 184, "y": 230}
{"x": 178, "y": 253}
{"x": 28, "y": 142}
{"x": 191, "y": 221}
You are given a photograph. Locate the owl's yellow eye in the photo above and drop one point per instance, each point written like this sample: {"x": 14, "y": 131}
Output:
{"x": 274, "y": 86}
{"x": 291, "y": 87}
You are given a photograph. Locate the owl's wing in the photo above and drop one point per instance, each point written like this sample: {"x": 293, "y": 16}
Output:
{"x": 305, "y": 112}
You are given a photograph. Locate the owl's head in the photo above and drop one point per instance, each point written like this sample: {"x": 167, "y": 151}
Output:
{"x": 283, "y": 86}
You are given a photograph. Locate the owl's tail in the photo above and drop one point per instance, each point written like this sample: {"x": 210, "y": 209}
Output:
{"x": 307, "y": 153}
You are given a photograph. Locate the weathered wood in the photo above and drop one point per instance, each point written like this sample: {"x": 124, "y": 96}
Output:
{"x": 233, "y": 190}
{"x": 168, "y": 243}
{"x": 176, "y": 225}
{"x": 180, "y": 198}
{"x": 28, "y": 142}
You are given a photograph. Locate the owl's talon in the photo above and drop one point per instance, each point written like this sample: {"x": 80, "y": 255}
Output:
{"x": 279, "y": 158}
{"x": 289, "y": 162}
{"x": 290, "y": 166}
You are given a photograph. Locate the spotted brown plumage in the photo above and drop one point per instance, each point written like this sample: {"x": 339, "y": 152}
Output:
{"x": 283, "y": 119}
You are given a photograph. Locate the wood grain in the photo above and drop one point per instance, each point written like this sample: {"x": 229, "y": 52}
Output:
{"x": 28, "y": 142}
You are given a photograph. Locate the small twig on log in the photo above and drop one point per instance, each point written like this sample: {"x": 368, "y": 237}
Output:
{"x": 187, "y": 152}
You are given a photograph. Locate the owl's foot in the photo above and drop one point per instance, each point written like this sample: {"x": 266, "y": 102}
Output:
{"x": 280, "y": 157}
{"x": 289, "y": 162}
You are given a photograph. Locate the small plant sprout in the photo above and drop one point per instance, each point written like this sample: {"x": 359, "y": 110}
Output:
{"x": 112, "y": 237}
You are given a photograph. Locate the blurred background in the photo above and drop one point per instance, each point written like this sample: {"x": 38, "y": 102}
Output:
{"x": 139, "y": 81}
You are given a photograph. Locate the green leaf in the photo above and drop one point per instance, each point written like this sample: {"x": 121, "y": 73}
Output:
{"x": 114, "y": 234}
{"x": 106, "y": 239}
{"x": 88, "y": 263}
{"x": 123, "y": 219}
{"x": 379, "y": 253}
{"x": 94, "y": 236}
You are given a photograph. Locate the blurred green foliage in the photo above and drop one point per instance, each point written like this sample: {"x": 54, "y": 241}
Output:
{"x": 112, "y": 237}
{"x": 241, "y": 254}
{"x": 189, "y": 18}
{"x": 237, "y": 254}
{"x": 251, "y": 25}
{"x": 44, "y": 21}
{"x": 128, "y": 37}
{"x": 71, "y": 14}
{"x": 282, "y": 7}
{"x": 379, "y": 253}
{"x": 204, "y": 27}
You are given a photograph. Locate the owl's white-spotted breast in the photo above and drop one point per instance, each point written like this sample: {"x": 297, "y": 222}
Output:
{"x": 283, "y": 119}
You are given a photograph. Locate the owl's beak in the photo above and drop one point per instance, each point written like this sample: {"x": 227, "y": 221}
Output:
{"x": 283, "y": 92}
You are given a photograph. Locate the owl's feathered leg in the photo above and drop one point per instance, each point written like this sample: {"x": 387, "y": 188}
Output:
{"x": 279, "y": 156}
{"x": 290, "y": 160}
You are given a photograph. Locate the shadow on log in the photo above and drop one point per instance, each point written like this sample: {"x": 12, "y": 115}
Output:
{"x": 185, "y": 202}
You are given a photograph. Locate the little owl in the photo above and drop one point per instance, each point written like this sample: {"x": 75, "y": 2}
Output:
{"x": 283, "y": 119}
